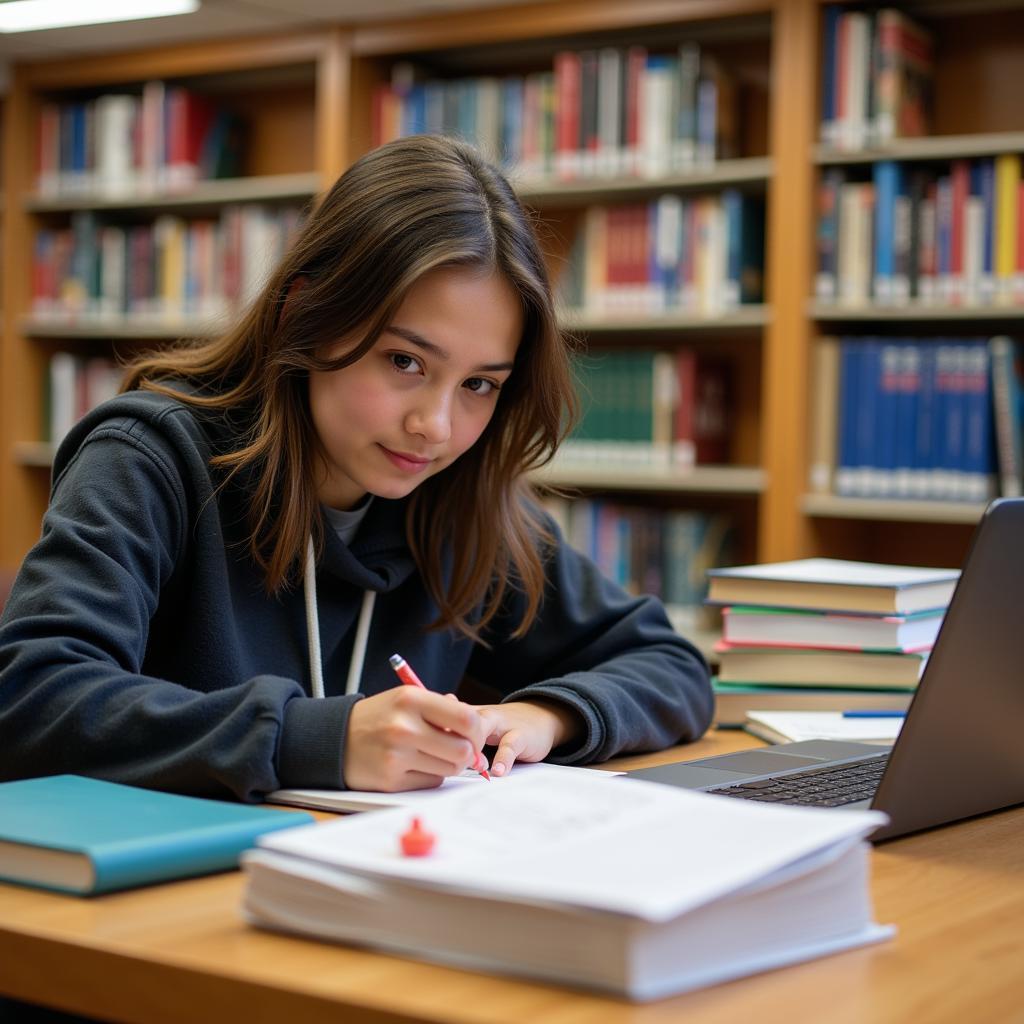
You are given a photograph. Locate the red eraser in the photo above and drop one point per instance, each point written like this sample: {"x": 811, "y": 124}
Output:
{"x": 417, "y": 841}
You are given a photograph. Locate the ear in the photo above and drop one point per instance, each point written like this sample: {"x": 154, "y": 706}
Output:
{"x": 297, "y": 285}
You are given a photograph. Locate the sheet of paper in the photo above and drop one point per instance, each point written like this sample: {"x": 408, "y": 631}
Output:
{"x": 355, "y": 800}
{"x": 828, "y": 725}
{"x": 612, "y": 844}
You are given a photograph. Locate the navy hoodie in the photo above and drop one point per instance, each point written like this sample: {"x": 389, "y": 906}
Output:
{"x": 139, "y": 644}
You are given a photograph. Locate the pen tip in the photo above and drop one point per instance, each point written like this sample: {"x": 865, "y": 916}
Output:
{"x": 483, "y": 772}
{"x": 396, "y": 660}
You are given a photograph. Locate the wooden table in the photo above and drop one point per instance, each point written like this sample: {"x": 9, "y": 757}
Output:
{"x": 180, "y": 953}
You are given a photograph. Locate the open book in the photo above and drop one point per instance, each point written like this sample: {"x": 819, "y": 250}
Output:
{"x": 614, "y": 884}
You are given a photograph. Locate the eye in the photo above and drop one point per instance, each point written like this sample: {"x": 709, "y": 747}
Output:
{"x": 403, "y": 363}
{"x": 482, "y": 386}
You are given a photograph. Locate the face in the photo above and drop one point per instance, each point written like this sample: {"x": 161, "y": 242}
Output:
{"x": 423, "y": 394}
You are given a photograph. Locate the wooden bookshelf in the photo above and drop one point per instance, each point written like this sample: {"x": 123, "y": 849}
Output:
{"x": 914, "y": 312}
{"x": 204, "y": 195}
{"x": 740, "y": 480}
{"x": 290, "y": 93}
{"x": 745, "y": 317}
{"x": 309, "y": 99}
{"x": 747, "y": 171}
{"x": 893, "y": 510}
{"x": 936, "y": 147}
{"x": 125, "y": 328}
{"x": 977, "y": 48}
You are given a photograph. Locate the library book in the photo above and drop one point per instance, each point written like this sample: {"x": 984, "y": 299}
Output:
{"x": 831, "y": 584}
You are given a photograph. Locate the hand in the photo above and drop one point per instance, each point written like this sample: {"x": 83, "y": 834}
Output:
{"x": 407, "y": 738}
{"x": 527, "y": 730}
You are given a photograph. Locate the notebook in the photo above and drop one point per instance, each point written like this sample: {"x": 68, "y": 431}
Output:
{"x": 960, "y": 751}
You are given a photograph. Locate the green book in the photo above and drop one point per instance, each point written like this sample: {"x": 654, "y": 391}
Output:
{"x": 87, "y": 836}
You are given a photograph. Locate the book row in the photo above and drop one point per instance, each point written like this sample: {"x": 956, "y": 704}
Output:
{"x": 597, "y": 112}
{"x": 703, "y": 255}
{"x": 649, "y": 408}
{"x": 918, "y": 234}
{"x": 913, "y": 419}
{"x": 665, "y": 552}
{"x": 168, "y": 269}
{"x": 164, "y": 139}
{"x": 876, "y": 78}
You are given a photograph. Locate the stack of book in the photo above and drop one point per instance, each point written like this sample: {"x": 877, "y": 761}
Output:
{"x": 820, "y": 634}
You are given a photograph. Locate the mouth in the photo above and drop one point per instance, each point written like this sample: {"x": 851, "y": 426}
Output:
{"x": 406, "y": 461}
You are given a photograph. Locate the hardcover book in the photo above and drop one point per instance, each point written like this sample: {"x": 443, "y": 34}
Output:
{"x": 87, "y": 836}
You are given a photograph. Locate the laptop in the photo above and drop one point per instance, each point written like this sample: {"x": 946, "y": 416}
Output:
{"x": 960, "y": 751}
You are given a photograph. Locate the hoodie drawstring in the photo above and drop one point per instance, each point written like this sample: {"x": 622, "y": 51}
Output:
{"x": 355, "y": 665}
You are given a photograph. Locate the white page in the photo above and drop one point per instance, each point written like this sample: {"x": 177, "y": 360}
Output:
{"x": 622, "y": 845}
{"x": 358, "y": 799}
{"x": 828, "y": 725}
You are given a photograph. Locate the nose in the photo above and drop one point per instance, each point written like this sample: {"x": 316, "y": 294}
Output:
{"x": 431, "y": 416}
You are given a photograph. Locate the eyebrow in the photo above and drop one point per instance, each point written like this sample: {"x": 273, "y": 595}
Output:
{"x": 435, "y": 350}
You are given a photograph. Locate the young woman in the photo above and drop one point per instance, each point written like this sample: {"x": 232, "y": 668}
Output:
{"x": 236, "y": 545}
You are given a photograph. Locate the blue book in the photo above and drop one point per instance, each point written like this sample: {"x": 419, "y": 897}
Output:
{"x": 849, "y": 380}
{"x": 86, "y": 836}
{"x": 889, "y": 186}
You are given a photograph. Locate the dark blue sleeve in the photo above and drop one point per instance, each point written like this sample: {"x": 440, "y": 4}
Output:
{"x": 614, "y": 658}
{"x": 73, "y": 637}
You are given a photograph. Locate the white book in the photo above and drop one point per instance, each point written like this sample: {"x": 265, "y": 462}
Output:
{"x": 609, "y": 110}
{"x": 115, "y": 124}
{"x": 625, "y": 886}
{"x": 795, "y": 726}
{"x": 832, "y": 584}
{"x": 64, "y": 371}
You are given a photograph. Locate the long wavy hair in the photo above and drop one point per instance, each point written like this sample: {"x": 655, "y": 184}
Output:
{"x": 402, "y": 210}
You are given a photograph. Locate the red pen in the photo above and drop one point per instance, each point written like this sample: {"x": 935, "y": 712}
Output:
{"x": 404, "y": 672}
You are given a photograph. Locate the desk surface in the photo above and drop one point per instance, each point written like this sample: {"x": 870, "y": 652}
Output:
{"x": 180, "y": 952}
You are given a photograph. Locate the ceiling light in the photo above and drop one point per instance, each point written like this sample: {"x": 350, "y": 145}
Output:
{"x": 35, "y": 15}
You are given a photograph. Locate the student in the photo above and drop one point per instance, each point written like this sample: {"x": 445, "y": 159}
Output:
{"x": 265, "y": 517}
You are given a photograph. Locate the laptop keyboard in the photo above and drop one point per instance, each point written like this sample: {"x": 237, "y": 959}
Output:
{"x": 830, "y": 786}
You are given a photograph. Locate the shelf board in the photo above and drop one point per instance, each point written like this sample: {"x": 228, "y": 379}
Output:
{"x": 118, "y": 328}
{"x": 749, "y": 480}
{"x": 837, "y": 507}
{"x": 214, "y": 193}
{"x": 549, "y": 192}
{"x": 912, "y": 312}
{"x": 934, "y": 147}
{"x": 747, "y": 316}
{"x": 34, "y": 454}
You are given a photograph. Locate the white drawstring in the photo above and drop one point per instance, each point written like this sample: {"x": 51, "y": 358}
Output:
{"x": 316, "y": 669}
{"x": 355, "y": 665}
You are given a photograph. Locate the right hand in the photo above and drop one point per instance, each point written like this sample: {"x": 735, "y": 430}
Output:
{"x": 408, "y": 738}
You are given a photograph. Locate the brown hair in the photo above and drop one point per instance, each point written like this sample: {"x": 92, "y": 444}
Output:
{"x": 406, "y": 208}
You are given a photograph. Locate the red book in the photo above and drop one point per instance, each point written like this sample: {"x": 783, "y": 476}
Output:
{"x": 703, "y": 414}
{"x": 567, "y": 113}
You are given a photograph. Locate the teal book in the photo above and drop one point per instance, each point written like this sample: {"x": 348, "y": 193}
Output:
{"x": 86, "y": 836}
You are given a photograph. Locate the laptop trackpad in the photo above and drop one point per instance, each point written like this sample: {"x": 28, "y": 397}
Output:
{"x": 757, "y": 762}
{"x": 723, "y": 769}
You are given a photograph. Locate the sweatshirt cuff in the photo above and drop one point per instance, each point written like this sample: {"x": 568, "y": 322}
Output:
{"x": 581, "y": 751}
{"x": 311, "y": 750}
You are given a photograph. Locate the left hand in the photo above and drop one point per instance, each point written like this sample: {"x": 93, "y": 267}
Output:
{"x": 527, "y": 730}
